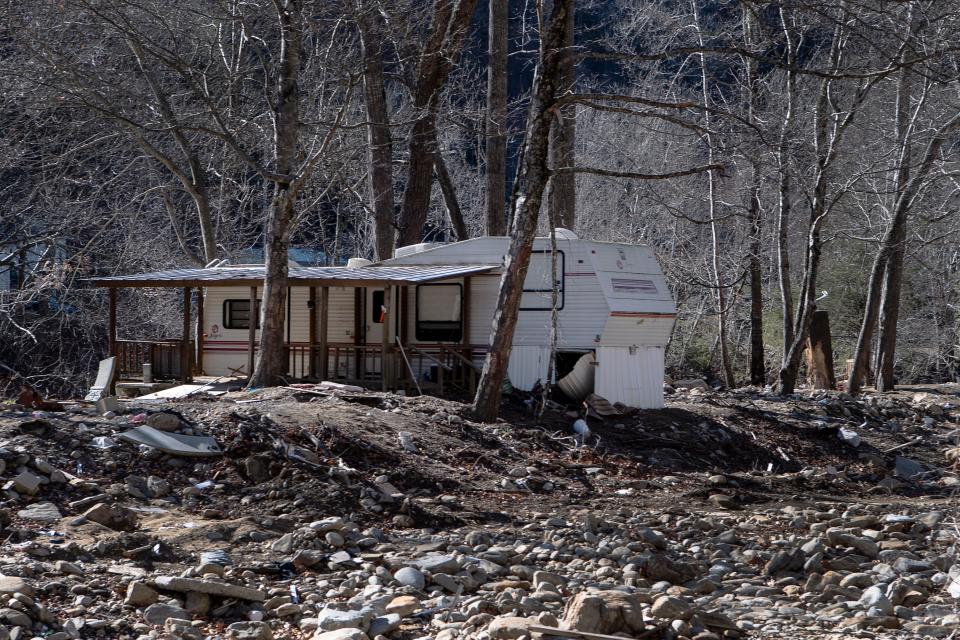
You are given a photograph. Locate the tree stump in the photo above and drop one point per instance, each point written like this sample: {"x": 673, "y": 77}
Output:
{"x": 820, "y": 373}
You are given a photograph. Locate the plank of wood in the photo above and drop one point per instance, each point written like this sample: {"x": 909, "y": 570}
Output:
{"x": 572, "y": 633}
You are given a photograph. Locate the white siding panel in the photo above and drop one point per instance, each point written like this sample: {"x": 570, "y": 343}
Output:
{"x": 627, "y": 331}
{"x": 299, "y": 330}
{"x": 527, "y": 366}
{"x": 483, "y": 303}
{"x": 634, "y": 379}
{"x": 340, "y": 316}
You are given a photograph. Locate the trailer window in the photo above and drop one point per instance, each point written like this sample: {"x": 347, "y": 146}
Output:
{"x": 439, "y": 317}
{"x": 236, "y": 314}
{"x": 538, "y": 285}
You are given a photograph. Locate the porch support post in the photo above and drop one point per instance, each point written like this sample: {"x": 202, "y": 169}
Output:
{"x": 465, "y": 312}
{"x": 200, "y": 330}
{"x": 185, "y": 373}
{"x": 112, "y": 336}
{"x": 359, "y": 332}
{"x": 252, "y": 331}
{"x": 112, "y": 322}
{"x": 465, "y": 335}
{"x": 384, "y": 364}
{"x": 313, "y": 332}
{"x": 324, "y": 329}
{"x": 403, "y": 307}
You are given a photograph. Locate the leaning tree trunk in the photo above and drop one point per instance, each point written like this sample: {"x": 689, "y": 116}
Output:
{"x": 496, "y": 125}
{"x": 892, "y": 239}
{"x": 563, "y": 185}
{"x": 448, "y": 33}
{"x": 890, "y": 314}
{"x": 534, "y": 177}
{"x": 893, "y": 275}
{"x": 379, "y": 144}
{"x": 450, "y": 201}
{"x": 271, "y": 361}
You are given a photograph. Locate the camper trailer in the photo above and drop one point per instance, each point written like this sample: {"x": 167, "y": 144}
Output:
{"x": 423, "y": 319}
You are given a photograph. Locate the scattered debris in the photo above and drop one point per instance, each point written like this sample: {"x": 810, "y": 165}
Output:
{"x": 174, "y": 443}
{"x": 725, "y": 515}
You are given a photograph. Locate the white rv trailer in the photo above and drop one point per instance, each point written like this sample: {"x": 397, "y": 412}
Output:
{"x": 437, "y": 302}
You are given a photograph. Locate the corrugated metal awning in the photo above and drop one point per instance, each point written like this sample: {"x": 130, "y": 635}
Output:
{"x": 373, "y": 275}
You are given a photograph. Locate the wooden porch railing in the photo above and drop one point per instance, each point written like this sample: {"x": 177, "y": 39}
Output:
{"x": 438, "y": 365}
{"x": 163, "y": 355}
{"x": 345, "y": 361}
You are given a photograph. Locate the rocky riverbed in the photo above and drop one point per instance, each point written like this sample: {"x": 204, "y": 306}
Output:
{"x": 364, "y": 516}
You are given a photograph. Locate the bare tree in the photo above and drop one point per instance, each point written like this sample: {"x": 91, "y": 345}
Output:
{"x": 379, "y": 139}
{"x": 758, "y": 369}
{"x": 720, "y": 291}
{"x": 887, "y": 270}
{"x": 563, "y": 195}
{"x": 496, "y": 121}
{"x": 534, "y": 176}
{"x": 448, "y": 32}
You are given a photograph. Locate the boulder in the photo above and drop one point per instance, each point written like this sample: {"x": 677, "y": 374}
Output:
{"x": 158, "y": 614}
{"x": 671, "y": 608}
{"x": 340, "y": 634}
{"x": 605, "y": 612}
{"x": 410, "y": 577}
{"x": 163, "y": 421}
{"x": 510, "y": 627}
{"x": 114, "y": 517}
{"x": 10, "y": 585}
{"x": 403, "y": 605}
{"x": 333, "y": 619}
{"x": 249, "y": 630}
{"x": 140, "y": 594}
{"x": 41, "y": 512}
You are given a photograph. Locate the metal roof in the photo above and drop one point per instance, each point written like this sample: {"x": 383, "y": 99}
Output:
{"x": 318, "y": 276}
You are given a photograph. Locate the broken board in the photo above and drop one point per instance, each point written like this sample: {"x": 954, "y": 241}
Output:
{"x": 173, "y": 443}
{"x": 104, "y": 377}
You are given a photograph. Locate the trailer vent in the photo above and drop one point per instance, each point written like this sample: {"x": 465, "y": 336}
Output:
{"x": 634, "y": 287}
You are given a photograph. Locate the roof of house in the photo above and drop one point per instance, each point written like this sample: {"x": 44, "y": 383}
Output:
{"x": 252, "y": 275}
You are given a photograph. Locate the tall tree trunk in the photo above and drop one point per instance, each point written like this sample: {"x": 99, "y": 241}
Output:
{"x": 448, "y": 33}
{"x": 893, "y": 274}
{"x": 534, "y": 177}
{"x": 758, "y": 366}
{"x": 720, "y": 297}
{"x": 758, "y": 369}
{"x": 379, "y": 144}
{"x": 271, "y": 362}
{"x": 496, "y": 124}
{"x": 785, "y": 192}
{"x": 563, "y": 186}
